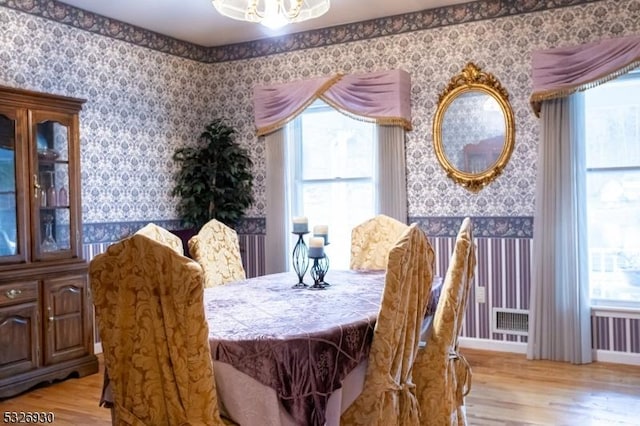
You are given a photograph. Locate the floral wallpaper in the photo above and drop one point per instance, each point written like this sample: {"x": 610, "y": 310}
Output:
{"x": 146, "y": 99}
{"x": 416, "y": 21}
{"x": 499, "y": 46}
{"x": 141, "y": 104}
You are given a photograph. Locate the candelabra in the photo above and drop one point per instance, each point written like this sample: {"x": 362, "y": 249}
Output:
{"x": 300, "y": 258}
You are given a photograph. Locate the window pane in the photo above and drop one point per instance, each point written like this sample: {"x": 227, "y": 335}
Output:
{"x": 8, "y": 194}
{"x": 614, "y": 233}
{"x": 613, "y": 124}
{"x": 612, "y": 116}
{"x": 53, "y": 171}
{"x": 335, "y": 146}
{"x": 341, "y": 206}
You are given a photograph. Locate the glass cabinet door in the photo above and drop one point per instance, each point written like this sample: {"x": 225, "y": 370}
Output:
{"x": 54, "y": 224}
{"x": 12, "y": 244}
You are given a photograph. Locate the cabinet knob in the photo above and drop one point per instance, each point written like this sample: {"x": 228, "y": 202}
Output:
{"x": 51, "y": 317}
{"x": 13, "y": 293}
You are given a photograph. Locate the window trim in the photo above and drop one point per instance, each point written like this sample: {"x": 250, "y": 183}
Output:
{"x": 294, "y": 163}
{"x": 294, "y": 136}
{"x": 628, "y": 308}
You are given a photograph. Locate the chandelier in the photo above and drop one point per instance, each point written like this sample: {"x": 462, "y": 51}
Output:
{"x": 272, "y": 13}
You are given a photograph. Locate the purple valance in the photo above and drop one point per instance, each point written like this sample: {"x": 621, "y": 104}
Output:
{"x": 560, "y": 72}
{"x": 382, "y": 97}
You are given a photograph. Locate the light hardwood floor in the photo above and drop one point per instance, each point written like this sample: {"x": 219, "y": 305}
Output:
{"x": 506, "y": 390}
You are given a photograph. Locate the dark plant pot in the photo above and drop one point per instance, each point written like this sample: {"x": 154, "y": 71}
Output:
{"x": 632, "y": 277}
{"x": 185, "y": 235}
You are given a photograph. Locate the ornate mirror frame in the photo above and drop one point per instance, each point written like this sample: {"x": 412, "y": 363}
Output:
{"x": 472, "y": 82}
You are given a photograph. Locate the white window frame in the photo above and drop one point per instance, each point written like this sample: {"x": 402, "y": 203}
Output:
{"x": 295, "y": 166}
{"x": 609, "y": 303}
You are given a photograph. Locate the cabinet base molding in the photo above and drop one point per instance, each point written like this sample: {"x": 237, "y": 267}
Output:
{"x": 18, "y": 384}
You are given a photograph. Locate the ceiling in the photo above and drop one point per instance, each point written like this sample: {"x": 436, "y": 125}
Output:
{"x": 198, "y": 22}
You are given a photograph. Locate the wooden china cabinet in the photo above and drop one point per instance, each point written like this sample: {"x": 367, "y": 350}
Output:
{"x": 45, "y": 306}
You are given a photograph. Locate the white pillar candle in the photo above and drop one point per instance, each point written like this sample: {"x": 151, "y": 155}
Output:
{"x": 300, "y": 224}
{"x": 316, "y": 242}
{"x": 322, "y": 231}
{"x": 316, "y": 247}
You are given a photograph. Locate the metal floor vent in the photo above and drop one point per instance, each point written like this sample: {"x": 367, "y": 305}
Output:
{"x": 510, "y": 321}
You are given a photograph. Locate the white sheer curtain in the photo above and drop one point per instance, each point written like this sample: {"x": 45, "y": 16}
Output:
{"x": 560, "y": 317}
{"x": 278, "y": 221}
{"x": 392, "y": 176}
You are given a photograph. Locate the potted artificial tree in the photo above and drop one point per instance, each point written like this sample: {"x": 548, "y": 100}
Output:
{"x": 214, "y": 179}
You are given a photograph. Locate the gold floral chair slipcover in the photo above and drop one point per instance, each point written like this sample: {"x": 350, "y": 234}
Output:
{"x": 388, "y": 397}
{"x": 442, "y": 375}
{"x": 163, "y": 236}
{"x": 150, "y": 313}
{"x": 372, "y": 240}
{"x": 217, "y": 249}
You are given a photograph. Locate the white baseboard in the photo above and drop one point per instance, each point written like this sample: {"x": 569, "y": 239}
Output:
{"x": 616, "y": 357}
{"x": 492, "y": 345}
{"x": 97, "y": 348}
{"x": 521, "y": 348}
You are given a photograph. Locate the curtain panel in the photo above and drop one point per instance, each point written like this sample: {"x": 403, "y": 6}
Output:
{"x": 392, "y": 173}
{"x": 560, "y": 314}
{"x": 557, "y": 73}
{"x": 382, "y": 97}
{"x": 277, "y": 212}
{"x": 559, "y": 327}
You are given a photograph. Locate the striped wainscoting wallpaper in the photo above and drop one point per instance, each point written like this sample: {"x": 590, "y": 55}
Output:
{"x": 89, "y": 251}
{"x": 615, "y": 332}
{"x": 503, "y": 269}
{"x": 253, "y": 254}
{"x": 251, "y": 248}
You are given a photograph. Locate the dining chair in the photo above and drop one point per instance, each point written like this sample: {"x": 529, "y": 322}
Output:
{"x": 388, "y": 398}
{"x": 217, "y": 249}
{"x": 441, "y": 374}
{"x": 163, "y": 236}
{"x": 150, "y": 314}
{"x": 371, "y": 241}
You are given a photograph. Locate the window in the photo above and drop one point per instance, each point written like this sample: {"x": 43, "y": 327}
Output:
{"x": 612, "y": 117}
{"x": 332, "y": 171}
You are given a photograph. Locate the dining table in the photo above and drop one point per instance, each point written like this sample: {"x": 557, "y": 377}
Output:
{"x": 293, "y": 356}
{"x": 286, "y": 356}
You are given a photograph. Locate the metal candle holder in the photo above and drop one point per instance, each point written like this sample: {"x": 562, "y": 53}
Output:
{"x": 319, "y": 269}
{"x": 300, "y": 257}
{"x": 324, "y": 264}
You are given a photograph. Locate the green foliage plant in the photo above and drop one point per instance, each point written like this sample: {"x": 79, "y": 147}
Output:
{"x": 214, "y": 180}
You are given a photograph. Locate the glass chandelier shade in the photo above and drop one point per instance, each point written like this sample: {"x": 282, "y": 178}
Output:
{"x": 272, "y": 13}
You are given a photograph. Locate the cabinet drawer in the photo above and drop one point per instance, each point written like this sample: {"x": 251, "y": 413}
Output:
{"x": 18, "y": 292}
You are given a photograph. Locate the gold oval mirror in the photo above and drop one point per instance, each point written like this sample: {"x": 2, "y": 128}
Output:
{"x": 473, "y": 130}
